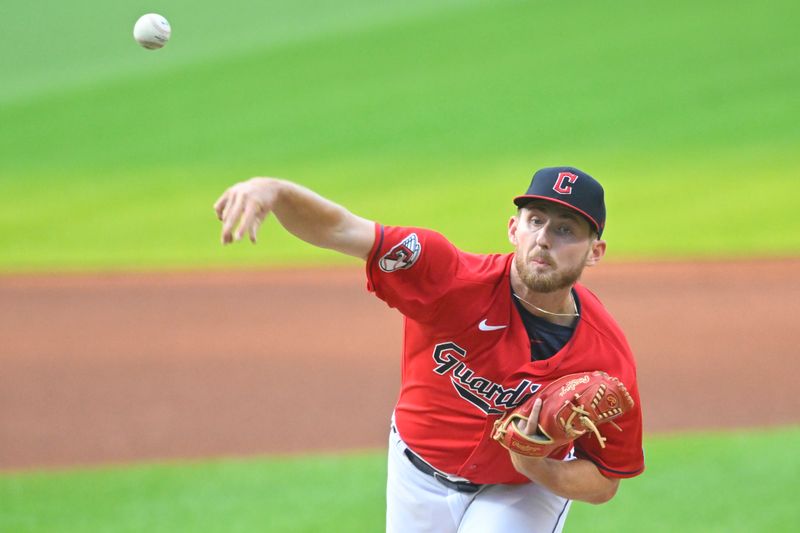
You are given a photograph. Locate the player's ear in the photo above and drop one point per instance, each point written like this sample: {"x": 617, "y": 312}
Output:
{"x": 512, "y": 230}
{"x": 596, "y": 252}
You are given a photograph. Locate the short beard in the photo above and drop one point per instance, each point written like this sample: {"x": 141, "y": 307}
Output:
{"x": 550, "y": 282}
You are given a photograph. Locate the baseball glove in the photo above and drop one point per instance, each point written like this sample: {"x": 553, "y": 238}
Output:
{"x": 572, "y": 406}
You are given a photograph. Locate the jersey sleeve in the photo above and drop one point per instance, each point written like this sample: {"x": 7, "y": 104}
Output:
{"x": 411, "y": 269}
{"x": 622, "y": 456}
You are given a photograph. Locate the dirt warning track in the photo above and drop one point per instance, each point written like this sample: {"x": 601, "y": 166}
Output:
{"x": 115, "y": 368}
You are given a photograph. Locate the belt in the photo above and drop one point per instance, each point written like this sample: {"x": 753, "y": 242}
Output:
{"x": 425, "y": 468}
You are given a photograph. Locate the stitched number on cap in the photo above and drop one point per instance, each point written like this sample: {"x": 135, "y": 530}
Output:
{"x": 562, "y": 188}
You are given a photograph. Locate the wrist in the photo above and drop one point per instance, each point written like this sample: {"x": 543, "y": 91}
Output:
{"x": 529, "y": 466}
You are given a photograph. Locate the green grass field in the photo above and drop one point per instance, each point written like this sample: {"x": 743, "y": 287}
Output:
{"x": 420, "y": 113}
{"x": 721, "y": 482}
{"x": 414, "y": 112}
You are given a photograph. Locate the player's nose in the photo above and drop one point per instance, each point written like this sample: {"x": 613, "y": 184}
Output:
{"x": 543, "y": 236}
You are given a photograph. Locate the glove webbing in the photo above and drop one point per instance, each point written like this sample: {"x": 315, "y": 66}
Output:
{"x": 584, "y": 417}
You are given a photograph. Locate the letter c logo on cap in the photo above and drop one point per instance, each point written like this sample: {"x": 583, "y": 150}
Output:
{"x": 560, "y": 187}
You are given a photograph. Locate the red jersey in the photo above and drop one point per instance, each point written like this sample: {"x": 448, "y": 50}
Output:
{"x": 467, "y": 357}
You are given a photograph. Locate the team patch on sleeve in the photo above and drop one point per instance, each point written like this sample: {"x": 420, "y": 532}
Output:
{"x": 402, "y": 255}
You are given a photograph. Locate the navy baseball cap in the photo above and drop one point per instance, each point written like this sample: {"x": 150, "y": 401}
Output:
{"x": 571, "y": 188}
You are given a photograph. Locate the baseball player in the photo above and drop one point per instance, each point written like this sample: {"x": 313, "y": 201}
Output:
{"x": 482, "y": 334}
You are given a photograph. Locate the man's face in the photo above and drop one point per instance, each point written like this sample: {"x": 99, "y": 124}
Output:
{"x": 553, "y": 245}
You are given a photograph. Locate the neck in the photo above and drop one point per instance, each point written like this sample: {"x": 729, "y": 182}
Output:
{"x": 545, "y": 305}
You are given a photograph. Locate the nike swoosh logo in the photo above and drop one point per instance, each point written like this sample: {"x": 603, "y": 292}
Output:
{"x": 483, "y": 326}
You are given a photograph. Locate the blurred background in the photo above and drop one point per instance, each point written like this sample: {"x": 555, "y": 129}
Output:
{"x": 417, "y": 112}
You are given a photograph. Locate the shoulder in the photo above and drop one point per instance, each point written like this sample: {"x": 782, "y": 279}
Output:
{"x": 601, "y": 329}
{"x": 400, "y": 247}
{"x": 595, "y": 315}
{"x": 483, "y": 268}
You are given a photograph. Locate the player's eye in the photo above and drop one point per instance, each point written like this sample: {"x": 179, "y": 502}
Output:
{"x": 566, "y": 230}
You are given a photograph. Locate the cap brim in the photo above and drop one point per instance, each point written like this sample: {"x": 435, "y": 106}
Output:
{"x": 520, "y": 201}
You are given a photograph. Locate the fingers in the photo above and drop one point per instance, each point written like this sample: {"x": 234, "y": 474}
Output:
{"x": 231, "y": 215}
{"x": 243, "y": 208}
{"x": 220, "y": 204}
{"x": 532, "y": 425}
{"x": 250, "y": 221}
{"x": 254, "y": 228}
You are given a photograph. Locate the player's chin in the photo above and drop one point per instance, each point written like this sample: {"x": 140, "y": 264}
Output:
{"x": 545, "y": 281}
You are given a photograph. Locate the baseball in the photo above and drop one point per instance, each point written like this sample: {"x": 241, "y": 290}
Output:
{"x": 152, "y": 31}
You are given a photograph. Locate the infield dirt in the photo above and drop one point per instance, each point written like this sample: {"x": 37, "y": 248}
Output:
{"x": 116, "y": 368}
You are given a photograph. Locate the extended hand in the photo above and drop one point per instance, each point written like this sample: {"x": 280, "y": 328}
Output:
{"x": 247, "y": 204}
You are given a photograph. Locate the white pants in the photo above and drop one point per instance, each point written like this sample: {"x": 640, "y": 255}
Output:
{"x": 417, "y": 503}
